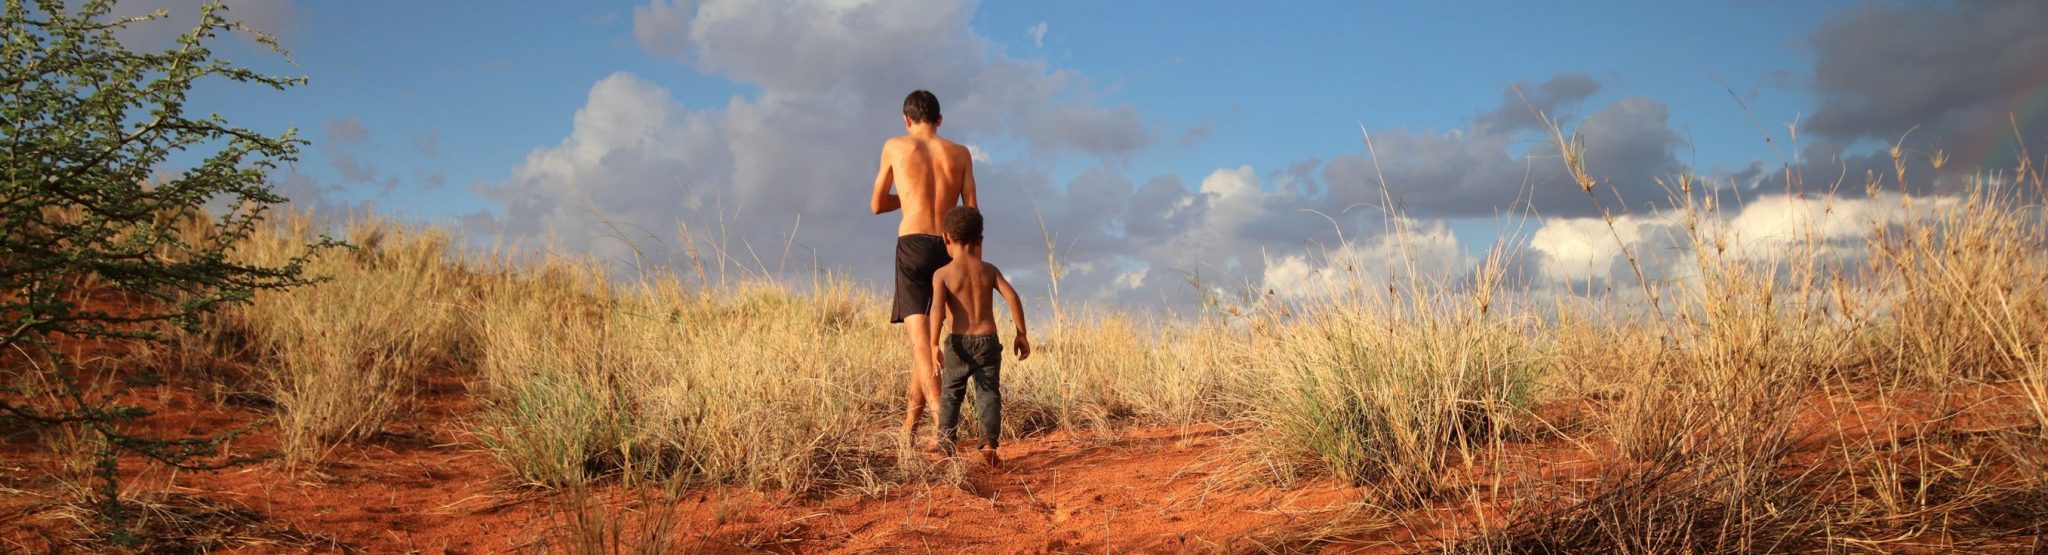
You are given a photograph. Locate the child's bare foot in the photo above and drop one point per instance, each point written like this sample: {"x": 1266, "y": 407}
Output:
{"x": 989, "y": 457}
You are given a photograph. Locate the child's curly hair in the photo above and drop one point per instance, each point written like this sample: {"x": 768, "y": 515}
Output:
{"x": 963, "y": 224}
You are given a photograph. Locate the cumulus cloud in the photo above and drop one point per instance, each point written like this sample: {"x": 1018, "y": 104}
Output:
{"x": 872, "y": 52}
{"x": 790, "y": 166}
{"x": 1580, "y": 249}
{"x": 637, "y": 163}
{"x": 1938, "y": 77}
{"x": 1766, "y": 230}
{"x": 1427, "y": 251}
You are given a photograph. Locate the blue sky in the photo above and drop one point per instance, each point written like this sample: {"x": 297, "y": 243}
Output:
{"x": 442, "y": 111}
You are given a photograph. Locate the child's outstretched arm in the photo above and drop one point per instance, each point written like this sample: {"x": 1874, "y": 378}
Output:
{"x": 1023, "y": 341}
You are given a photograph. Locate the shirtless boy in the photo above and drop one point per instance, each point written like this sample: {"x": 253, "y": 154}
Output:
{"x": 930, "y": 175}
{"x": 960, "y": 291}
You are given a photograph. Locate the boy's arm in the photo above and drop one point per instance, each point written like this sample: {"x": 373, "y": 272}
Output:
{"x": 885, "y": 200}
{"x": 938, "y": 310}
{"x": 1016, "y": 311}
{"x": 967, "y": 195}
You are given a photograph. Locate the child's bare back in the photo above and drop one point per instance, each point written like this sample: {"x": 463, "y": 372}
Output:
{"x": 969, "y": 301}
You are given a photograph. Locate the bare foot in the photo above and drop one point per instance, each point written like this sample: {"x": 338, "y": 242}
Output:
{"x": 989, "y": 457}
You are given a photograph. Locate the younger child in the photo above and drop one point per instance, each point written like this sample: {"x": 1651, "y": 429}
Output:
{"x": 960, "y": 290}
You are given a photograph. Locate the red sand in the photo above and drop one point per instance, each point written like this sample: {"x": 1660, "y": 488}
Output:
{"x": 423, "y": 486}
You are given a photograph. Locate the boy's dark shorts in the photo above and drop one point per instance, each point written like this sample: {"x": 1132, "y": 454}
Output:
{"x": 917, "y": 258}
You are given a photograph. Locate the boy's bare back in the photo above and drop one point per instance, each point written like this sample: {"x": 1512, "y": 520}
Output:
{"x": 969, "y": 295}
{"x": 930, "y": 175}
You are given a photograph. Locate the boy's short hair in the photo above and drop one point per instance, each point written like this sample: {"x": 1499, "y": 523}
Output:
{"x": 963, "y": 224}
{"x": 921, "y": 107}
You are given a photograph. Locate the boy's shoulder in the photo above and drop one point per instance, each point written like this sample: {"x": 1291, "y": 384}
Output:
{"x": 960, "y": 265}
{"x": 944, "y": 144}
{"x": 954, "y": 267}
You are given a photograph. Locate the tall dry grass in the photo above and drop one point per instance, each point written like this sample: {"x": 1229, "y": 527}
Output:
{"x": 1712, "y": 404}
{"x": 1389, "y": 387}
{"x": 1818, "y": 396}
{"x": 753, "y": 385}
{"x": 340, "y": 360}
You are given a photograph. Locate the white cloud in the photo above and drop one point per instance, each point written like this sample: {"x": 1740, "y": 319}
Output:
{"x": 876, "y": 51}
{"x": 1132, "y": 279}
{"x": 1428, "y": 251}
{"x": 1582, "y": 248}
{"x": 1037, "y": 33}
{"x": 1768, "y": 229}
{"x": 831, "y": 76}
{"x": 1771, "y": 227}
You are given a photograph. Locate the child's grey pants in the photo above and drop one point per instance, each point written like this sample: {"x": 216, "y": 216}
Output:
{"x": 979, "y": 357}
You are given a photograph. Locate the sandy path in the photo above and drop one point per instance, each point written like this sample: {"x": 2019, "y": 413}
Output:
{"x": 1145, "y": 490}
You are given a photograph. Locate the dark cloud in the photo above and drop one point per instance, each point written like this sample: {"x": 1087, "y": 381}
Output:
{"x": 1948, "y": 72}
{"x": 1551, "y": 98}
{"x": 1111, "y": 131}
{"x": 1628, "y": 144}
{"x": 1298, "y": 178}
{"x": 1163, "y": 207}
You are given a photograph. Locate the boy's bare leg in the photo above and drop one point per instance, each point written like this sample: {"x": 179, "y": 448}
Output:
{"x": 923, "y": 391}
